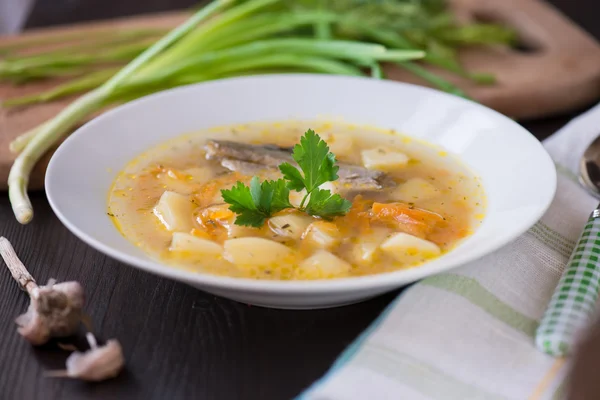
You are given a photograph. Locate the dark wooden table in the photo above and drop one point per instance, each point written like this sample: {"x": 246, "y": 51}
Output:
{"x": 179, "y": 342}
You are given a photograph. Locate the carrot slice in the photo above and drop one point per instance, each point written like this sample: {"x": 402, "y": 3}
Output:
{"x": 357, "y": 220}
{"x": 415, "y": 221}
{"x": 205, "y": 196}
{"x": 393, "y": 210}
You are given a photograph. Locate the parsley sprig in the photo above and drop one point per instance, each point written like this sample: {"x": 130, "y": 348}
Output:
{"x": 259, "y": 201}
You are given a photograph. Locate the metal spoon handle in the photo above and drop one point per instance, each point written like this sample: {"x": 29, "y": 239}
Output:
{"x": 574, "y": 299}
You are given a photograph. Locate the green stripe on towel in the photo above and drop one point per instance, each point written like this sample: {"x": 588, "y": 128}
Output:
{"x": 471, "y": 290}
{"x": 551, "y": 241}
{"x": 421, "y": 377}
{"x": 553, "y": 232}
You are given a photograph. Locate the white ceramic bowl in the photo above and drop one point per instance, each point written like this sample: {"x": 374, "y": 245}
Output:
{"x": 518, "y": 175}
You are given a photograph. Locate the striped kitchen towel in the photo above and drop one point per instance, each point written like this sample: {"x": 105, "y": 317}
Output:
{"x": 469, "y": 334}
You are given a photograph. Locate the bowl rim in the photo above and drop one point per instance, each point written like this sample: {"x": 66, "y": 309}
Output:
{"x": 391, "y": 279}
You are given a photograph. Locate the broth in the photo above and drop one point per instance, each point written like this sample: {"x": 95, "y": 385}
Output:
{"x": 168, "y": 202}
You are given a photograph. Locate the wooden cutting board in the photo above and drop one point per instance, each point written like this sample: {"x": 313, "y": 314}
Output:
{"x": 561, "y": 72}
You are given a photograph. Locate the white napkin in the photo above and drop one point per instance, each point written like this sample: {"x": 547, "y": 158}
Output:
{"x": 469, "y": 334}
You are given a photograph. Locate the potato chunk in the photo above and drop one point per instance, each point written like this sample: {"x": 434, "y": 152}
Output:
{"x": 331, "y": 186}
{"x": 296, "y": 197}
{"x": 340, "y": 144}
{"x": 174, "y": 210}
{"x": 186, "y": 243}
{"x": 415, "y": 189}
{"x": 322, "y": 234}
{"x": 322, "y": 265}
{"x": 410, "y": 249}
{"x": 236, "y": 231}
{"x": 367, "y": 246}
{"x": 290, "y": 225}
{"x": 383, "y": 159}
{"x": 254, "y": 252}
{"x": 199, "y": 174}
{"x": 184, "y": 181}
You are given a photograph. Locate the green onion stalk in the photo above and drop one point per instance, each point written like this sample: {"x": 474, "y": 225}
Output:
{"x": 96, "y": 39}
{"x": 75, "y": 59}
{"x": 219, "y": 51}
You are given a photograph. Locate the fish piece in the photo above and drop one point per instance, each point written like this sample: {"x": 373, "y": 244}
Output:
{"x": 250, "y": 168}
{"x": 268, "y": 155}
{"x": 250, "y": 159}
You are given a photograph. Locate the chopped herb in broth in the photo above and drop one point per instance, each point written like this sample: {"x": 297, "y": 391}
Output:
{"x": 279, "y": 201}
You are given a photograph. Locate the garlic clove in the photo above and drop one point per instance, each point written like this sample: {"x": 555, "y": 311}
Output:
{"x": 55, "y": 311}
{"x": 61, "y": 306}
{"x": 98, "y": 363}
{"x": 32, "y": 327}
{"x": 74, "y": 292}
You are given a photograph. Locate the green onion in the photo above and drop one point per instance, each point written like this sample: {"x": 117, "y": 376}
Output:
{"x": 434, "y": 79}
{"x": 195, "y": 41}
{"x": 97, "y": 38}
{"x": 88, "y": 82}
{"x": 322, "y": 27}
{"x": 478, "y": 34}
{"x": 334, "y": 49}
{"x": 376, "y": 71}
{"x": 268, "y": 24}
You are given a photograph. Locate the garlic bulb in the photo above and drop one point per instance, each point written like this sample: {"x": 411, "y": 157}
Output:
{"x": 55, "y": 311}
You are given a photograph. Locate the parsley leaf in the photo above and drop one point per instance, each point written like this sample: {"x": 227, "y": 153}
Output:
{"x": 258, "y": 202}
{"x": 252, "y": 218}
{"x": 323, "y": 204}
{"x": 238, "y": 198}
{"x": 293, "y": 176}
{"x": 315, "y": 161}
{"x": 281, "y": 196}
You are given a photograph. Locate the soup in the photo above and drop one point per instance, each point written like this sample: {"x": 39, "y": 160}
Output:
{"x": 217, "y": 201}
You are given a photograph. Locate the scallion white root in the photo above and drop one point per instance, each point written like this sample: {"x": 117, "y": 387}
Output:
{"x": 19, "y": 143}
